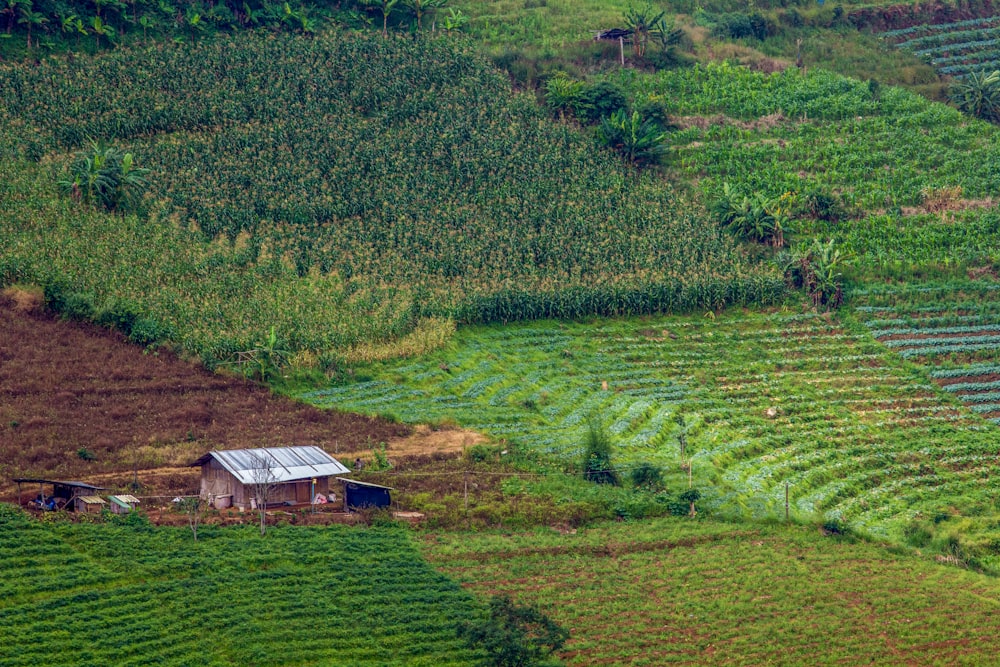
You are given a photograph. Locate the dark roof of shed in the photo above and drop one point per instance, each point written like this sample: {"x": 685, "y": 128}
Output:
{"x": 354, "y": 481}
{"x": 78, "y": 485}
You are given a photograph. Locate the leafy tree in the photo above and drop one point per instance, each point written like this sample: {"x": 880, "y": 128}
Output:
{"x": 597, "y": 465}
{"x": 383, "y": 7}
{"x": 514, "y": 635}
{"x": 420, "y": 8}
{"x": 105, "y": 176}
{"x": 647, "y": 476}
{"x": 978, "y": 94}
{"x": 646, "y": 24}
{"x": 639, "y": 140}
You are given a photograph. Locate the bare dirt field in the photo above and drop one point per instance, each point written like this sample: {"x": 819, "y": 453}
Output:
{"x": 78, "y": 402}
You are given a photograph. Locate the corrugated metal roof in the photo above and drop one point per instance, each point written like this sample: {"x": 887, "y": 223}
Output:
{"x": 91, "y": 500}
{"x": 283, "y": 464}
{"x": 124, "y": 501}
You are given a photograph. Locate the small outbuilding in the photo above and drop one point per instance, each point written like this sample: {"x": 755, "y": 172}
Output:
{"x": 291, "y": 475}
{"x": 63, "y": 496}
{"x": 123, "y": 504}
{"x": 358, "y": 495}
{"x": 89, "y": 504}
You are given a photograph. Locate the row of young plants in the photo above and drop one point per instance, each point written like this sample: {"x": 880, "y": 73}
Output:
{"x": 144, "y": 595}
{"x": 961, "y": 357}
{"x": 765, "y": 400}
{"x": 438, "y": 193}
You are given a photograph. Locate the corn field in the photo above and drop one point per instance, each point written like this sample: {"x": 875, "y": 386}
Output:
{"x": 386, "y": 180}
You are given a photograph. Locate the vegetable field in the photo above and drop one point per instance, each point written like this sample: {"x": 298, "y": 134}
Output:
{"x": 881, "y": 170}
{"x": 767, "y": 399}
{"x": 952, "y": 329}
{"x": 680, "y": 592}
{"x": 345, "y": 187}
{"x": 135, "y": 595}
{"x": 954, "y": 49}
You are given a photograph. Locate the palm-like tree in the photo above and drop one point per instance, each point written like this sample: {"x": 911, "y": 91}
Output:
{"x": 638, "y": 139}
{"x": 978, "y": 94}
{"x": 421, "y": 8}
{"x": 645, "y": 24}
{"x": 104, "y": 175}
{"x": 31, "y": 19}
{"x": 385, "y": 8}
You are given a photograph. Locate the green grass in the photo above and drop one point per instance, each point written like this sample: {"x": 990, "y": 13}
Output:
{"x": 136, "y": 595}
{"x": 673, "y": 591}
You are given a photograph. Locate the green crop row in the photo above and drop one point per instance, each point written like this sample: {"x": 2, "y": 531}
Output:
{"x": 670, "y": 592}
{"x": 143, "y": 595}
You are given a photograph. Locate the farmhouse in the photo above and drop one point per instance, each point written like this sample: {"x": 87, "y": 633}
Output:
{"x": 292, "y": 475}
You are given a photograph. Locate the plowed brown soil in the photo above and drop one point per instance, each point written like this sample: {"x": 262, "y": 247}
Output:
{"x": 66, "y": 387}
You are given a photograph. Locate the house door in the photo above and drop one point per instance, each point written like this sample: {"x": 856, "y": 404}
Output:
{"x": 302, "y": 492}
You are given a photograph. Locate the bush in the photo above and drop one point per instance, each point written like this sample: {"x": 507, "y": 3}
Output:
{"x": 598, "y": 101}
{"x": 647, "y": 476}
{"x": 597, "y": 466}
{"x": 737, "y": 25}
{"x": 514, "y": 635}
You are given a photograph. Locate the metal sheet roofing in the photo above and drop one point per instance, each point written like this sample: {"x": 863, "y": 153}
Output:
{"x": 279, "y": 464}
{"x": 124, "y": 500}
{"x": 91, "y": 500}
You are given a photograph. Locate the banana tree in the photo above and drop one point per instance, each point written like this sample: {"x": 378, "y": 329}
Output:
{"x": 645, "y": 24}
{"x": 31, "y": 19}
{"x": 420, "y": 8}
{"x": 385, "y": 8}
{"x": 638, "y": 139}
{"x": 978, "y": 94}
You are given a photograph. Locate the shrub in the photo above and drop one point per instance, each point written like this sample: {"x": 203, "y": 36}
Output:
{"x": 647, "y": 476}
{"x": 597, "y": 466}
{"x": 599, "y": 101}
{"x": 514, "y": 635}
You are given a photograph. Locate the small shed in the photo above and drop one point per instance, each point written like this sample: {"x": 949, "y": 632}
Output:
{"x": 89, "y": 504}
{"x": 293, "y": 475}
{"x": 358, "y": 495}
{"x": 123, "y": 504}
{"x": 63, "y": 492}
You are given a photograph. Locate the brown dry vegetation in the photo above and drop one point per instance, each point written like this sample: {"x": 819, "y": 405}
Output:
{"x": 69, "y": 386}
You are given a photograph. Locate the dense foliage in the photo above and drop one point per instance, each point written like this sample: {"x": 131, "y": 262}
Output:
{"x": 398, "y": 179}
{"x": 141, "y": 595}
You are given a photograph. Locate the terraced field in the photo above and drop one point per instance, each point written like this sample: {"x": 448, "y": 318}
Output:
{"x": 954, "y": 49}
{"x": 767, "y": 399}
{"x": 952, "y": 329}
